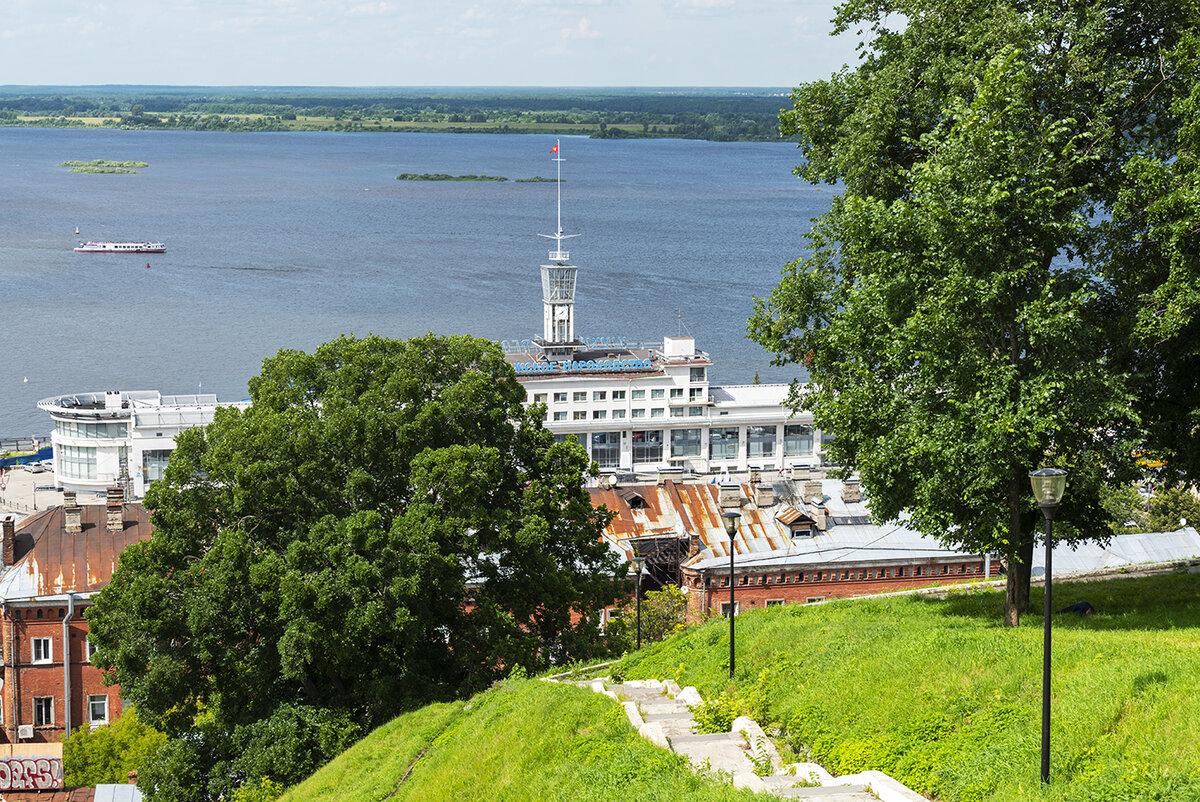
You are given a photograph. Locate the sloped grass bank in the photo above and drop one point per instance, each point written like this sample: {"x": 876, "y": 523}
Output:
{"x": 940, "y": 696}
{"x": 521, "y": 740}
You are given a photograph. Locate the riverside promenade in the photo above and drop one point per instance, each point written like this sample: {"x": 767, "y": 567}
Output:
{"x": 24, "y": 492}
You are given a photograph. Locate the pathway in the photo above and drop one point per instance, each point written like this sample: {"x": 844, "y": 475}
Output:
{"x": 662, "y": 713}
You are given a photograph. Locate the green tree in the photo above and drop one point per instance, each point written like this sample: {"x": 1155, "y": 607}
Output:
{"x": 107, "y": 754}
{"x": 1169, "y": 506}
{"x": 385, "y": 525}
{"x": 664, "y": 612}
{"x": 1151, "y": 245}
{"x": 952, "y": 315}
{"x": 1127, "y": 509}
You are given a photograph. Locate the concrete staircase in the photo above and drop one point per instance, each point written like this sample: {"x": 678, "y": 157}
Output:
{"x": 662, "y": 713}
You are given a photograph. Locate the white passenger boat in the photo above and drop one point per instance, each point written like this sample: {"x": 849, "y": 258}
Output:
{"x": 121, "y": 247}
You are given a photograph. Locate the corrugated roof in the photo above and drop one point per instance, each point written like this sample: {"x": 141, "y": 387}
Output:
{"x": 763, "y": 538}
{"x": 50, "y": 561}
{"x": 1133, "y": 549}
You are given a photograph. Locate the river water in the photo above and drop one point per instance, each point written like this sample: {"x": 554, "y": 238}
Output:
{"x": 288, "y": 240}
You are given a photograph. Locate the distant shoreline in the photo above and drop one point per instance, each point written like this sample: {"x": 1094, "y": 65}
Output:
{"x": 720, "y": 115}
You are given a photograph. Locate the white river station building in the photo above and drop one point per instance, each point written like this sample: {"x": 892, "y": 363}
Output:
{"x": 650, "y": 409}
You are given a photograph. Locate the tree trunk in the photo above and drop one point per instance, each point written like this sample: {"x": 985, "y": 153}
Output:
{"x": 1019, "y": 557}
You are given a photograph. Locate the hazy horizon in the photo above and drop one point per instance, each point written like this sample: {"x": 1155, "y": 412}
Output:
{"x": 380, "y": 43}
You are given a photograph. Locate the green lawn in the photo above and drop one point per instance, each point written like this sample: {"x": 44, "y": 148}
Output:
{"x": 521, "y": 740}
{"x": 934, "y": 692}
{"x": 937, "y": 694}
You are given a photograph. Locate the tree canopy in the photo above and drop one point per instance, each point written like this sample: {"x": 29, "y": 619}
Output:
{"x": 958, "y": 314}
{"x": 385, "y": 525}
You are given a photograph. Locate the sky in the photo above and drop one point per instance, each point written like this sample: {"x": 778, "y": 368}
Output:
{"x": 752, "y": 43}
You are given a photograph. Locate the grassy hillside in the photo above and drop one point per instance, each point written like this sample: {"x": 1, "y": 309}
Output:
{"x": 521, "y": 740}
{"x": 939, "y": 695}
{"x": 934, "y": 692}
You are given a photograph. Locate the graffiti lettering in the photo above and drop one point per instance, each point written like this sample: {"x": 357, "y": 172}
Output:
{"x": 30, "y": 773}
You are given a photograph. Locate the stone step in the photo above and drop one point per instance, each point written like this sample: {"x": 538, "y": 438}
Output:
{"x": 826, "y": 793}
{"x": 658, "y": 713}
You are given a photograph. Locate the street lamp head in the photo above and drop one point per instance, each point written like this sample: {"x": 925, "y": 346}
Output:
{"x": 637, "y": 563}
{"x": 731, "y": 523}
{"x": 1049, "y": 486}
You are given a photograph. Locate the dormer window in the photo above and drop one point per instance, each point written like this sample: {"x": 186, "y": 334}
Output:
{"x": 634, "y": 500}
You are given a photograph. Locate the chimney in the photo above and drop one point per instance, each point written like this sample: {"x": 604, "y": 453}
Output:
{"x": 812, "y": 489}
{"x": 851, "y": 491}
{"x": 729, "y": 495}
{"x": 72, "y": 513}
{"x": 820, "y": 517}
{"x": 764, "y": 495}
{"x": 116, "y": 509}
{"x": 9, "y": 538}
{"x": 693, "y": 545}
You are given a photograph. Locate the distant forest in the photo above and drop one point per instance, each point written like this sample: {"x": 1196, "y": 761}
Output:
{"x": 714, "y": 114}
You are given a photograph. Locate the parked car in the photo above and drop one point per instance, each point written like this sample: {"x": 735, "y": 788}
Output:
{"x": 35, "y": 467}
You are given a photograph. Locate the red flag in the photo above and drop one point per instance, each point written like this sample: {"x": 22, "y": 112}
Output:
{"x": 555, "y": 148}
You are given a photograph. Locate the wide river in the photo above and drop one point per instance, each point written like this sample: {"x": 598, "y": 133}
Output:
{"x": 288, "y": 240}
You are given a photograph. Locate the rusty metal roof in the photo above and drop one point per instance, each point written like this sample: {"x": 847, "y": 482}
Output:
{"x": 686, "y": 509}
{"x": 51, "y": 561}
{"x": 764, "y": 537}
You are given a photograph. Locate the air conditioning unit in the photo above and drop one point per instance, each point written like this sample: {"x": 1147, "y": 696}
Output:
{"x": 24, "y": 732}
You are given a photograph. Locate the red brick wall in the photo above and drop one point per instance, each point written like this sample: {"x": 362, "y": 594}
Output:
{"x": 765, "y": 586}
{"x": 26, "y": 680}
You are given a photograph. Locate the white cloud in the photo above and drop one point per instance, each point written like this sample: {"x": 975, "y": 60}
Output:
{"x": 372, "y": 10}
{"x": 583, "y": 30}
{"x": 703, "y": 5}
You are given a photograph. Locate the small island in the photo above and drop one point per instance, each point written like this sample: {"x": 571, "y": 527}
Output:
{"x": 103, "y": 166}
{"x": 445, "y": 177}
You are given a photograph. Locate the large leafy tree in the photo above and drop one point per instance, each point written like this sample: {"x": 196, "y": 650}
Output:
{"x": 954, "y": 315}
{"x": 386, "y": 524}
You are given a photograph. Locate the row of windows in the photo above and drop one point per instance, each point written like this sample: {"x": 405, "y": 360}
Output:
{"x": 619, "y": 414}
{"x": 43, "y": 710}
{"x": 69, "y": 428}
{"x": 723, "y": 443}
{"x": 43, "y": 650}
{"x": 581, "y": 396}
{"x": 898, "y": 572}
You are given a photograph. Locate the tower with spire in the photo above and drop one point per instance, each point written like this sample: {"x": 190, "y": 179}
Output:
{"x": 558, "y": 340}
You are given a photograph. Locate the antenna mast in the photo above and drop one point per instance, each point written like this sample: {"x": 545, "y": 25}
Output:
{"x": 558, "y": 287}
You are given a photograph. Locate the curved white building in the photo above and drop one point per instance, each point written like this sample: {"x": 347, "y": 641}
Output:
{"x": 120, "y": 437}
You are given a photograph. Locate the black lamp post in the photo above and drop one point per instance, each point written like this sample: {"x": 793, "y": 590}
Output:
{"x": 638, "y": 563}
{"x": 731, "y": 528}
{"x": 1049, "y": 484}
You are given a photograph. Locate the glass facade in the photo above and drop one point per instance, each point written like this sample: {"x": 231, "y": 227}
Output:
{"x": 797, "y": 440}
{"x": 647, "y": 446}
{"x": 685, "y": 442}
{"x": 76, "y": 462}
{"x": 723, "y": 443}
{"x": 606, "y": 449}
{"x": 91, "y": 431}
{"x": 153, "y": 464}
{"x": 760, "y": 442}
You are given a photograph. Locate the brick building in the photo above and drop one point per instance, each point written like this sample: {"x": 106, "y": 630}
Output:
{"x": 54, "y": 561}
{"x": 801, "y": 539}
